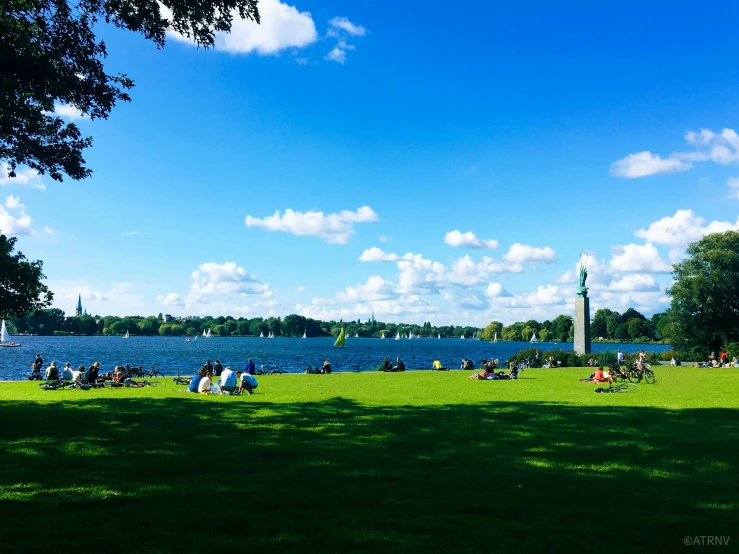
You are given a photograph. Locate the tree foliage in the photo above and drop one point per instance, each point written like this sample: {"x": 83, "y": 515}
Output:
{"x": 705, "y": 294}
{"x": 21, "y": 289}
{"x": 50, "y": 54}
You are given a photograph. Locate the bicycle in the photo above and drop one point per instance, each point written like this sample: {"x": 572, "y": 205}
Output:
{"x": 55, "y": 385}
{"x": 647, "y": 374}
{"x": 179, "y": 380}
{"x": 273, "y": 371}
{"x": 622, "y": 387}
{"x": 153, "y": 373}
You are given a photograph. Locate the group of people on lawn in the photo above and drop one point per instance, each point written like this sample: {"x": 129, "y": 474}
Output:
{"x": 81, "y": 376}
{"x": 722, "y": 360}
{"x": 229, "y": 382}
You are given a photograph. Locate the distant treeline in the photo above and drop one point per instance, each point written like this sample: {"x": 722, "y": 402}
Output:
{"x": 610, "y": 325}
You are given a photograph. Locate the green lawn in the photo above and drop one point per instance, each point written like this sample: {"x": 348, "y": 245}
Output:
{"x": 416, "y": 462}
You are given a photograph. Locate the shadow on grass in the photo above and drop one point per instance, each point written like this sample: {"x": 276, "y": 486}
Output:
{"x": 168, "y": 475}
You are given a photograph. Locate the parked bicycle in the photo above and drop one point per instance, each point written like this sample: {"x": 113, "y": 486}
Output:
{"x": 152, "y": 373}
{"x": 270, "y": 371}
{"x": 616, "y": 388}
{"x": 179, "y": 380}
{"x": 638, "y": 374}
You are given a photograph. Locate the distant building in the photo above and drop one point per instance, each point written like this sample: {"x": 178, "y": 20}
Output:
{"x": 78, "y": 312}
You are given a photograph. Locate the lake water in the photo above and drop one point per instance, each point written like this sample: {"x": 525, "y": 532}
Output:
{"x": 292, "y": 354}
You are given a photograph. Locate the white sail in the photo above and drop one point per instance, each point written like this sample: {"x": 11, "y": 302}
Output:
{"x": 397, "y": 337}
{"x": 305, "y": 334}
{"x": 204, "y": 334}
{"x": 383, "y": 335}
{"x": 495, "y": 338}
{"x": 126, "y": 335}
{"x": 462, "y": 337}
{"x": 4, "y": 333}
{"x": 261, "y": 335}
{"x": 356, "y": 335}
{"x": 438, "y": 336}
{"x": 533, "y": 338}
{"x": 271, "y": 335}
{"x": 410, "y": 334}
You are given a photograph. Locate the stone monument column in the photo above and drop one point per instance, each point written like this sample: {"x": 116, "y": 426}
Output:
{"x": 582, "y": 315}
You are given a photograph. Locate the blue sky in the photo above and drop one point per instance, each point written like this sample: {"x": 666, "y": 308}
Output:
{"x": 439, "y": 163}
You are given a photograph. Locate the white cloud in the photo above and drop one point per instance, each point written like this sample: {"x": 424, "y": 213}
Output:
{"x": 171, "y": 299}
{"x": 496, "y": 290}
{"x": 227, "y": 278}
{"x": 635, "y": 283}
{"x": 468, "y": 240}
{"x": 69, "y": 112}
{"x": 343, "y": 24}
{"x": 684, "y": 227}
{"x": 383, "y": 238}
{"x": 721, "y": 148}
{"x": 333, "y": 228}
{"x": 376, "y": 288}
{"x": 14, "y": 221}
{"x": 341, "y": 29}
{"x": 521, "y": 254}
{"x": 645, "y": 163}
{"x": 638, "y": 257}
{"x": 25, "y": 177}
{"x": 336, "y": 55}
{"x": 282, "y": 26}
{"x": 733, "y": 187}
{"x": 375, "y": 254}
{"x": 300, "y": 289}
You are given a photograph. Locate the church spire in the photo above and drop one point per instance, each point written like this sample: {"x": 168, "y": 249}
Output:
{"x": 78, "y": 311}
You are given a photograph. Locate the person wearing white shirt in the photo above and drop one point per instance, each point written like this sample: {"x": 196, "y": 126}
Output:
{"x": 204, "y": 385}
{"x": 248, "y": 383}
{"x": 78, "y": 375}
{"x": 620, "y": 357}
{"x": 228, "y": 381}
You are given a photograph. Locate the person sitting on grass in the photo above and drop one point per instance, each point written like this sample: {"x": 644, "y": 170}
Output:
{"x": 217, "y": 368}
{"x": 248, "y": 383}
{"x": 386, "y": 365}
{"x": 78, "y": 376}
{"x": 467, "y": 364}
{"x": 251, "y": 369}
{"x": 204, "y": 385}
{"x": 438, "y": 366}
{"x": 195, "y": 381}
{"x": 91, "y": 376}
{"x": 326, "y": 367}
{"x": 400, "y": 365}
{"x": 598, "y": 376}
{"x": 67, "y": 372}
{"x": 228, "y": 381}
{"x": 52, "y": 373}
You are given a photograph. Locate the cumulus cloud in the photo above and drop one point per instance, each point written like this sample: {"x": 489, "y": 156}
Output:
{"x": 282, "y": 26}
{"x": 25, "y": 177}
{"x": 468, "y": 240}
{"x": 635, "y": 283}
{"x": 342, "y": 30}
{"x": 721, "y": 148}
{"x": 375, "y": 254}
{"x": 496, "y": 290}
{"x": 521, "y": 254}
{"x": 333, "y": 228}
{"x": 376, "y": 288}
{"x": 14, "y": 221}
{"x": 637, "y": 258}
{"x": 172, "y": 299}
{"x": 645, "y": 163}
{"x": 684, "y": 227}
{"x": 68, "y": 112}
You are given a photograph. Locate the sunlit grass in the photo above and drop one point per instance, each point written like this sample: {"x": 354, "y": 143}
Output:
{"x": 420, "y": 461}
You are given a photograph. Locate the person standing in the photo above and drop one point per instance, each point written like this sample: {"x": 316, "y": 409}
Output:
{"x": 620, "y": 357}
{"x": 536, "y": 359}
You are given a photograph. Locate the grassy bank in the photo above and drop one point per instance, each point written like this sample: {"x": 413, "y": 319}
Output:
{"x": 419, "y": 461}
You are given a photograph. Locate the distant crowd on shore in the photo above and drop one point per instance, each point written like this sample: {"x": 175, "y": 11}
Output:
{"x": 722, "y": 360}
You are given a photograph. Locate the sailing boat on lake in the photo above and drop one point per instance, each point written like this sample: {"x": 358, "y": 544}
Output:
{"x": 341, "y": 339}
{"x": 208, "y": 335}
{"x": 126, "y": 335}
{"x": 305, "y": 334}
{"x": 438, "y": 335}
{"x": 397, "y": 337}
{"x": 533, "y": 338}
{"x": 383, "y": 335}
{"x": 261, "y": 335}
{"x": 5, "y": 341}
{"x": 495, "y": 338}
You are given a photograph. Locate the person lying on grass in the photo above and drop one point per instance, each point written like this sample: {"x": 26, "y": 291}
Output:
{"x": 248, "y": 383}
{"x": 598, "y": 376}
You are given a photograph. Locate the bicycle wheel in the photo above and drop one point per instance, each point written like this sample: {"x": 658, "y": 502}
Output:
{"x": 628, "y": 387}
{"x": 649, "y": 376}
{"x": 157, "y": 374}
{"x": 634, "y": 376}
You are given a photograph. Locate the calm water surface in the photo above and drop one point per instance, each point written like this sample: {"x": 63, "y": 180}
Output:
{"x": 292, "y": 354}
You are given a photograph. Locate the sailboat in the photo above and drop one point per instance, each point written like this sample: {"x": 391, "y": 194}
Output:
{"x": 305, "y": 334}
{"x": 495, "y": 338}
{"x": 341, "y": 339}
{"x": 383, "y": 335}
{"x": 438, "y": 335}
{"x": 5, "y": 341}
{"x": 462, "y": 337}
{"x": 271, "y": 335}
{"x": 126, "y": 335}
{"x": 261, "y": 335}
{"x": 410, "y": 334}
{"x": 204, "y": 334}
{"x": 397, "y": 337}
{"x": 533, "y": 338}
{"x": 208, "y": 335}
{"x": 356, "y": 335}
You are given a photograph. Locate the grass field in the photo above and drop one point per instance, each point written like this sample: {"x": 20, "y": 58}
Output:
{"x": 413, "y": 462}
